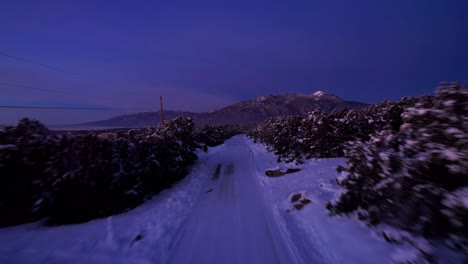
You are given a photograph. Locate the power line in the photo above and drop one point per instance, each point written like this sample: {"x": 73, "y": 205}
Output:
{"x": 32, "y": 88}
{"x": 68, "y": 93}
{"x": 48, "y": 90}
{"x": 32, "y": 62}
{"x": 71, "y": 108}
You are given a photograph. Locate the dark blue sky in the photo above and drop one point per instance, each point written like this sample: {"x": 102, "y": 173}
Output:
{"x": 202, "y": 55}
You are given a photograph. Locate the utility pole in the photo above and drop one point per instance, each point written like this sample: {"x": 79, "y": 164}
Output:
{"x": 161, "y": 110}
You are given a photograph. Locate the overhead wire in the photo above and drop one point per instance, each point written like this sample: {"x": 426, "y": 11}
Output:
{"x": 71, "y": 108}
{"x": 53, "y": 91}
{"x": 31, "y": 88}
{"x": 31, "y": 62}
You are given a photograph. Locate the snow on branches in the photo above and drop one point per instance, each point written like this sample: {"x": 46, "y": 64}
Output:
{"x": 414, "y": 178}
{"x": 75, "y": 177}
{"x": 322, "y": 135}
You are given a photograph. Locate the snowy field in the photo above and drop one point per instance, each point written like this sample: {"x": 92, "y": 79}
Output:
{"x": 225, "y": 211}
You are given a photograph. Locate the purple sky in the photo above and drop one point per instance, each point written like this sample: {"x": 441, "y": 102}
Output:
{"x": 203, "y": 55}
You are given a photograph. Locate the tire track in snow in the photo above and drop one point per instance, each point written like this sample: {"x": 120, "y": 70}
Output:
{"x": 232, "y": 224}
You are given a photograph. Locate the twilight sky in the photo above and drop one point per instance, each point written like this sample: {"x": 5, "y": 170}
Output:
{"x": 203, "y": 55}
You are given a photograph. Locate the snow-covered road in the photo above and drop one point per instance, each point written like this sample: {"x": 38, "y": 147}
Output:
{"x": 232, "y": 223}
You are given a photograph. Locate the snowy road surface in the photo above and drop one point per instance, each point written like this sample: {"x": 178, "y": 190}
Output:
{"x": 232, "y": 223}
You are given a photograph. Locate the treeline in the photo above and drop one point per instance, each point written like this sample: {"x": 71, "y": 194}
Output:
{"x": 407, "y": 163}
{"x": 210, "y": 136}
{"x": 324, "y": 135}
{"x": 71, "y": 178}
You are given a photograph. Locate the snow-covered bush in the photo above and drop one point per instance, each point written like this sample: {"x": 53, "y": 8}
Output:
{"x": 324, "y": 135}
{"x": 73, "y": 178}
{"x": 281, "y": 135}
{"x": 414, "y": 178}
{"x": 210, "y": 136}
{"x": 24, "y": 151}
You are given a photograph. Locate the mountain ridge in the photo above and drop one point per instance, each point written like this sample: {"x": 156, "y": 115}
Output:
{"x": 245, "y": 112}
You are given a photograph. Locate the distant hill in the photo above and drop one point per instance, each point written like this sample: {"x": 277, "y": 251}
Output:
{"x": 143, "y": 119}
{"x": 247, "y": 112}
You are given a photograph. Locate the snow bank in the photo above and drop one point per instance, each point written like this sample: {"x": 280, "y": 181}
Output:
{"x": 318, "y": 237}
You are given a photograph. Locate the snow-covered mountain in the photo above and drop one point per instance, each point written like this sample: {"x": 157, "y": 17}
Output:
{"x": 264, "y": 107}
{"x": 246, "y": 112}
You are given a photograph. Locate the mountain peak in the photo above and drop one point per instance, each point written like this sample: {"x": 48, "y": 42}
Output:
{"x": 319, "y": 93}
{"x": 264, "y": 98}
